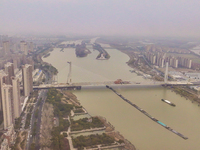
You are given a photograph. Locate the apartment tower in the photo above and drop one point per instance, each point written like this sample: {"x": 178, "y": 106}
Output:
{"x": 6, "y": 48}
{"x": 9, "y": 70}
{"x": 23, "y": 47}
{"x": 27, "y": 79}
{"x": 2, "y": 79}
{"x": 7, "y": 105}
{"x": 16, "y": 97}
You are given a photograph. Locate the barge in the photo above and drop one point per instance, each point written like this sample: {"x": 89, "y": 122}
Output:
{"x": 168, "y": 102}
{"x": 148, "y": 115}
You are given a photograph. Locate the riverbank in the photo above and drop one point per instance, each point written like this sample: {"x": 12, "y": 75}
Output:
{"x": 108, "y": 127}
{"x": 188, "y": 93}
{"x": 182, "y": 91}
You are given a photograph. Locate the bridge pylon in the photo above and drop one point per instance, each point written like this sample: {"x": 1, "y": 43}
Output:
{"x": 55, "y": 79}
{"x": 69, "y": 77}
{"x": 166, "y": 73}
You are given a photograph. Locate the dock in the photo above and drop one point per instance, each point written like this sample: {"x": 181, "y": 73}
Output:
{"x": 148, "y": 115}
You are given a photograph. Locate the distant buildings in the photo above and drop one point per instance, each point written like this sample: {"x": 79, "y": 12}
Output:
{"x": 31, "y": 46}
{"x": 6, "y": 48}
{"x": 160, "y": 60}
{"x": 24, "y": 47}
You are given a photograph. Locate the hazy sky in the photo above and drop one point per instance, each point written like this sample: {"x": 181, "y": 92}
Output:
{"x": 116, "y": 17}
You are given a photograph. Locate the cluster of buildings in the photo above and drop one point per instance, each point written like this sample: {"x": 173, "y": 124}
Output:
{"x": 160, "y": 60}
{"x": 17, "y": 70}
{"x": 25, "y": 48}
{"x": 164, "y": 49}
{"x": 11, "y": 100}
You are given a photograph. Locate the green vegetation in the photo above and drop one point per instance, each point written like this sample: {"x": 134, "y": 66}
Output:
{"x": 79, "y": 110}
{"x": 28, "y": 119}
{"x": 54, "y": 97}
{"x": 49, "y": 68}
{"x": 1, "y": 117}
{"x": 18, "y": 123}
{"x": 63, "y": 124}
{"x": 58, "y": 140}
{"x": 34, "y": 128}
{"x": 101, "y": 51}
{"x": 60, "y": 110}
{"x": 22, "y": 144}
{"x": 185, "y": 93}
{"x": 32, "y": 147}
{"x": 14, "y": 147}
{"x": 84, "y": 123}
{"x": 39, "y": 102}
{"x": 65, "y": 134}
{"x": 36, "y": 113}
{"x": 81, "y": 50}
{"x": 85, "y": 141}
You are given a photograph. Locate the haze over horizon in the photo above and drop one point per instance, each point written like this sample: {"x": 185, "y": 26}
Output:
{"x": 101, "y": 17}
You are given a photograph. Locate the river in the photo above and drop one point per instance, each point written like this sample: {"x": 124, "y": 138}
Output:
{"x": 132, "y": 124}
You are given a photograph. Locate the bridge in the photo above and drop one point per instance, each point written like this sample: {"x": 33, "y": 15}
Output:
{"x": 91, "y": 85}
{"x": 131, "y": 84}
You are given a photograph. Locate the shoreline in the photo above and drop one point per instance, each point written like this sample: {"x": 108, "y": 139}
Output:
{"x": 195, "y": 99}
{"x": 108, "y": 127}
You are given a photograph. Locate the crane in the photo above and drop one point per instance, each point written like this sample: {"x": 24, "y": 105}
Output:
{"x": 69, "y": 78}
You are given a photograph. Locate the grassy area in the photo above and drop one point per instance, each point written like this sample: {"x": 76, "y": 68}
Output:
{"x": 18, "y": 123}
{"x": 28, "y": 119}
{"x": 88, "y": 141}
{"x": 84, "y": 123}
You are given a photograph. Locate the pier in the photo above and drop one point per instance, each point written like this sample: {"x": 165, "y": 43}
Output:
{"x": 148, "y": 115}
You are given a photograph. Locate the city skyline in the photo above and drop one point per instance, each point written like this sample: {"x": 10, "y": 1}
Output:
{"x": 114, "y": 17}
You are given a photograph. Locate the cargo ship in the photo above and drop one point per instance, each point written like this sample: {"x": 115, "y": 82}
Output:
{"x": 168, "y": 102}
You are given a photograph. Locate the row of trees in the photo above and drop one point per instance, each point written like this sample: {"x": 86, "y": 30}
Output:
{"x": 185, "y": 93}
{"x": 54, "y": 97}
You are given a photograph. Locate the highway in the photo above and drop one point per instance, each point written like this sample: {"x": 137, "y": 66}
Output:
{"x": 37, "y": 137}
{"x": 31, "y": 138}
{"x": 42, "y": 94}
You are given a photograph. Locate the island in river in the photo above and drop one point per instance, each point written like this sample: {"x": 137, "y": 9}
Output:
{"x": 81, "y": 50}
{"x": 103, "y": 54}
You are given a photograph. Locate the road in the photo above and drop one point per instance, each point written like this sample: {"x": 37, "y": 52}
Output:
{"x": 37, "y": 137}
{"x": 42, "y": 96}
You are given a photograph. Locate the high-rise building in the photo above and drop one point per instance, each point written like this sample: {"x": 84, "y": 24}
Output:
{"x": 2, "y": 79}
{"x": 23, "y": 47}
{"x": 6, "y": 48}
{"x": 29, "y": 60}
{"x": 189, "y": 63}
{"x": 7, "y": 105}
{"x": 16, "y": 97}
{"x": 27, "y": 79}
{"x": 31, "y": 46}
{"x": 9, "y": 70}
